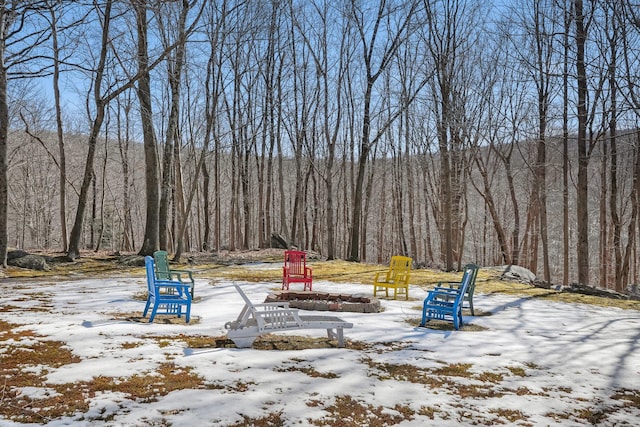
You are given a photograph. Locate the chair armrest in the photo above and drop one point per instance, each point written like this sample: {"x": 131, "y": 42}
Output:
{"x": 442, "y": 292}
{"x": 447, "y": 289}
{"x": 171, "y": 274}
{"x": 179, "y": 272}
{"x": 179, "y": 286}
{"x": 385, "y": 277}
{"x": 272, "y": 305}
{"x": 448, "y": 284}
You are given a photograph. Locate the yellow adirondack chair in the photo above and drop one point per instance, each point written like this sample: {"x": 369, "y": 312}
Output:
{"x": 397, "y": 277}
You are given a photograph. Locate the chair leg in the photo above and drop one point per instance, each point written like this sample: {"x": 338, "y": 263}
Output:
{"x": 457, "y": 319}
{"x": 146, "y": 308}
{"x": 424, "y": 316}
{"x": 153, "y": 313}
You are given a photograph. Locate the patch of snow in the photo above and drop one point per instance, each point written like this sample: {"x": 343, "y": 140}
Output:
{"x": 572, "y": 356}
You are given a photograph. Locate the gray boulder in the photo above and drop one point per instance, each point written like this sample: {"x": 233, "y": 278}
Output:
{"x": 517, "y": 273}
{"x": 32, "y": 262}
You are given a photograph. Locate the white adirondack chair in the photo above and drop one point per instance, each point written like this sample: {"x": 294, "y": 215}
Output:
{"x": 258, "y": 319}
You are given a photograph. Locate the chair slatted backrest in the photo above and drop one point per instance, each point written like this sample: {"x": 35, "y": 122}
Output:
{"x": 162, "y": 265}
{"x": 151, "y": 277}
{"x": 470, "y": 272}
{"x": 399, "y": 268}
{"x": 244, "y": 296}
{"x": 296, "y": 261}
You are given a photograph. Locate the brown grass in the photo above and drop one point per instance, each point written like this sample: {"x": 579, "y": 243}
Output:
{"x": 28, "y": 351}
{"x": 346, "y": 412}
{"x": 268, "y": 342}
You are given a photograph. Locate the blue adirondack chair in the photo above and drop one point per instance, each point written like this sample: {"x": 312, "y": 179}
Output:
{"x": 467, "y": 302}
{"x": 165, "y": 296}
{"x": 446, "y": 304}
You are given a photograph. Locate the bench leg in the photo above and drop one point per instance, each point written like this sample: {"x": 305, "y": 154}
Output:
{"x": 337, "y": 335}
{"x": 245, "y": 342}
{"x": 242, "y": 339}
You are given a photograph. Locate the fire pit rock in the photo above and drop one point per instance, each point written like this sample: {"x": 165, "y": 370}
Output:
{"x": 323, "y": 301}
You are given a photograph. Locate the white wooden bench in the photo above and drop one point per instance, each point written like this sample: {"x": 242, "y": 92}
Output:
{"x": 258, "y": 319}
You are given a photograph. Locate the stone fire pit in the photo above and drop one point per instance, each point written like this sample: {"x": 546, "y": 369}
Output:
{"x": 324, "y": 301}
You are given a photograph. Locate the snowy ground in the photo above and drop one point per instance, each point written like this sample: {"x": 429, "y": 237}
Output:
{"x": 525, "y": 362}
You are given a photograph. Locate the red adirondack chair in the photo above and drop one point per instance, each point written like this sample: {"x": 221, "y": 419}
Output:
{"x": 295, "y": 270}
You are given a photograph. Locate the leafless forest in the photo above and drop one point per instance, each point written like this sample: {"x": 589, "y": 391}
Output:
{"x": 449, "y": 131}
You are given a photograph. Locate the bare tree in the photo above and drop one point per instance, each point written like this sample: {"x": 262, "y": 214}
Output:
{"x": 582, "y": 209}
{"x": 330, "y": 72}
{"x": 389, "y": 27}
{"x": 20, "y": 37}
{"x": 102, "y": 97}
{"x": 100, "y": 102}
{"x": 150, "y": 242}
{"x": 60, "y": 131}
{"x": 449, "y": 37}
{"x": 123, "y": 125}
{"x": 175, "y": 65}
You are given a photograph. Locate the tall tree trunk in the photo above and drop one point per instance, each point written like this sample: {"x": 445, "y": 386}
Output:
{"x": 582, "y": 205}
{"x": 62, "y": 162}
{"x": 184, "y": 213}
{"x": 175, "y": 66}
{"x": 5, "y": 18}
{"x": 150, "y": 242}
{"x": 128, "y": 236}
{"x": 490, "y": 205}
{"x": 565, "y": 147}
{"x": 206, "y": 183}
{"x": 630, "y": 248}
{"x": 621, "y": 270}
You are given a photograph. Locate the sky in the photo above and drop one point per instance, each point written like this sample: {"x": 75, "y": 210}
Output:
{"x": 546, "y": 363}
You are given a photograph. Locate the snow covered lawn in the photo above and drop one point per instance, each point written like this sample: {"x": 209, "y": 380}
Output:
{"x": 76, "y": 352}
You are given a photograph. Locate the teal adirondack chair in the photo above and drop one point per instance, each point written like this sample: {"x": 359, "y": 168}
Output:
{"x": 165, "y": 272}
